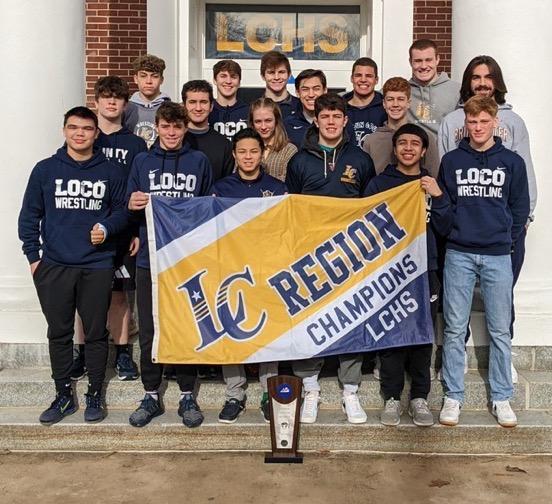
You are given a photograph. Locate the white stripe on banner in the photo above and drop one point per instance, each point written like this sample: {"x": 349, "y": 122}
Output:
{"x": 297, "y": 343}
{"x": 214, "y": 229}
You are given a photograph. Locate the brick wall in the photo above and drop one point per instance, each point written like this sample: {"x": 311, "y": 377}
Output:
{"x": 115, "y": 35}
{"x": 433, "y": 20}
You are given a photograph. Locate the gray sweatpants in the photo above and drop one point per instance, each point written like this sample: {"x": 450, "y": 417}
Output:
{"x": 235, "y": 379}
{"x": 349, "y": 373}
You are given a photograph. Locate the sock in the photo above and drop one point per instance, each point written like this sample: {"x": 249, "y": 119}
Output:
{"x": 122, "y": 349}
{"x": 80, "y": 348}
{"x": 94, "y": 390}
{"x": 65, "y": 389}
{"x": 154, "y": 394}
{"x": 182, "y": 394}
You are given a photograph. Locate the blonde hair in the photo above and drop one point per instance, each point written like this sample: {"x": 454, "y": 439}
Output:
{"x": 280, "y": 138}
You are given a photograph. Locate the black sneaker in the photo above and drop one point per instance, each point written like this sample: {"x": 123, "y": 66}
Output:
{"x": 78, "y": 370}
{"x": 126, "y": 367}
{"x": 62, "y": 406}
{"x": 149, "y": 408}
{"x": 265, "y": 409}
{"x": 95, "y": 410}
{"x": 231, "y": 410}
{"x": 189, "y": 410}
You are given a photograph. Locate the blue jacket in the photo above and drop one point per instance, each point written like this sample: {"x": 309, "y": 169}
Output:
{"x": 183, "y": 173}
{"x": 264, "y": 185}
{"x": 296, "y": 126}
{"x": 489, "y": 198}
{"x": 438, "y": 215}
{"x": 229, "y": 120}
{"x": 344, "y": 173}
{"x": 289, "y": 106}
{"x": 63, "y": 201}
{"x": 121, "y": 146}
{"x": 363, "y": 121}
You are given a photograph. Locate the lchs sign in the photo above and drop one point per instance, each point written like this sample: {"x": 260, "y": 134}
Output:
{"x": 324, "y": 34}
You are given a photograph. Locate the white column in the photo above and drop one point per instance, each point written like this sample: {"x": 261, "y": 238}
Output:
{"x": 42, "y": 53}
{"x": 518, "y": 35}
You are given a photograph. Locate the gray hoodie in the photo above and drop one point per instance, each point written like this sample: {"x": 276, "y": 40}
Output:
{"x": 429, "y": 104}
{"x": 139, "y": 116}
{"x": 511, "y": 130}
{"x": 380, "y": 147}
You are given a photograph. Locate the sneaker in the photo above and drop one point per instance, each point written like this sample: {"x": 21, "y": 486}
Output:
{"x": 504, "y": 413}
{"x": 95, "y": 411}
{"x": 231, "y": 410}
{"x": 265, "y": 407}
{"x": 78, "y": 370}
{"x": 391, "y": 414}
{"x": 309, "y": 408}
{"x": 126, "y": 367}
{"x": 189, "y": 410}
{"x": 450, "y": 412}
{"x": 149, "y": 408}
{"x": 419, "y": 411}
{"x": 62, "y": 406}
{"x": 351, "y": 406}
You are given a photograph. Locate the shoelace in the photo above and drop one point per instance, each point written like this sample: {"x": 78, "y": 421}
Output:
{"x": 148, "y": 403}
{"x": 93, "y": 401}
{"x": 189, "y": 403}
{"x": 59, "y": 401}
{"x": 125, "y": 361}
{"x": 311, "y": 401}
{"x": 354, "y": 403}
{"x": 391, "y": 405}
{"x": 422, "y": 406}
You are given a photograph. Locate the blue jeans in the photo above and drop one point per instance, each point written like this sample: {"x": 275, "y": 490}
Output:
{"x": 495, "y": 279}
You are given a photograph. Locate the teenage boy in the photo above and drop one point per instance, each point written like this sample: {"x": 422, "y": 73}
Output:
{"x": 396, "y": 102}
{"x": 228, "y": 115}
{"x": 197, "y": 97}
{"x": 276, "y": 71}
{"x": 364, "y": 104}
{"x": 168, "y": 168}
{"x": 487, "y": 186}
{"x": 119, "y": 145}
{"x": 410, "y": 143}
{"x": 140, "y": 112}
{"x": 433, "y": 95}
{"x": 309, "y": 84}
{"x": 328, "y": 164}
{"x": 72, "y": 210}
{"x": 249, "y": 181}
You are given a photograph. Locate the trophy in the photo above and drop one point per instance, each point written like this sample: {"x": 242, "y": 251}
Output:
{"x": 285, "y": 401}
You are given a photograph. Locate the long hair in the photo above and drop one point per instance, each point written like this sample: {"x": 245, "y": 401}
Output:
{"x": 280, "y": 138}
{"x": 500, "y": 89}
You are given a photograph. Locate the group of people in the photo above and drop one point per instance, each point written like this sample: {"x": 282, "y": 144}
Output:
{"x": 84, "y": 230}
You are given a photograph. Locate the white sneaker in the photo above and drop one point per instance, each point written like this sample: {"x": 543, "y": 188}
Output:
{"x": 351, "y": 406}
{"x": 450, "y": 412}
{"x": 309, "y": 408}
{"x": 504, "y": 413}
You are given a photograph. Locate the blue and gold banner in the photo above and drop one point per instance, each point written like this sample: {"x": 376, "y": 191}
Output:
{"x": 287, "y": 277}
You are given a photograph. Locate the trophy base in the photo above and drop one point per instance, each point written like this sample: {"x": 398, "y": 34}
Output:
{"x": 283, "y": 459}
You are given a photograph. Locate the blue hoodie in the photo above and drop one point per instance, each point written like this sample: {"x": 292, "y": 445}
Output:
{"x": 229, "y": 120}
{"x": 63, "y": 201}
{"x": 363, "y": 121}
{"x": 296, "y": 126}
{"x": 182, "y": 173}
{"x": 438, "y": 209}
{"x": 121, "y": 146}
{"x": 289, "y": 106}
{"x": 489, "y": 198}
{"x": 343, "y": 173}
{"x": 263, "y": 186}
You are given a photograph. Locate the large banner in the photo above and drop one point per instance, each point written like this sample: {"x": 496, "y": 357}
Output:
{"x": 287, "y": 277}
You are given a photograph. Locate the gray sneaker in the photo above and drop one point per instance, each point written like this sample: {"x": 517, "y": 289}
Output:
{"x": 391, "y": 414}
{"x": 419, "y": 411}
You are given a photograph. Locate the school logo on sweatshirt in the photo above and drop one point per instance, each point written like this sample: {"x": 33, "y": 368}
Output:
{"x": 173, "y": 185}
{"x": 481, "y": 182}
{"x": 349, "y": 175}
{"x": 77, "y": 194}
{"x": 230, "y": 128}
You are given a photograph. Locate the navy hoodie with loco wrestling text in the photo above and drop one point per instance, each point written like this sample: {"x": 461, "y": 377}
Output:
{"x": 437, "y": 209}
{"x": 229, "y": 120}
{"x": 343, "y": 173}
{"x": 489, "y": 198}
{"x": 63, "y": 201}
{"x": 182, "y": 173}
{"x": 121, "y": 146}
{"x": 363, "y": 121}
{"x": 263, "y": 186}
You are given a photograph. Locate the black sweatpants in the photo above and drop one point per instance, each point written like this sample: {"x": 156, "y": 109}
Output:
{"x": 152, "y": 374}
{"x": 62, "y": 290}
{"x": 415, "y": 359}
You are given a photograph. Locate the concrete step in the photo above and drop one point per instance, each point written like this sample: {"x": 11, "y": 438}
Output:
{"x": 33, "y": 387}
{"x": 478, "y": 433}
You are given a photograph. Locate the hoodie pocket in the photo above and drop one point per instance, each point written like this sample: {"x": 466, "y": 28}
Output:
{"x": 482, "y": 226}
{"x": 70, "y": 244}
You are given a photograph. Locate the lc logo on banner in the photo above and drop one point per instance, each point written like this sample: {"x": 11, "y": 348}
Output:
{"x": 287, "y": 277}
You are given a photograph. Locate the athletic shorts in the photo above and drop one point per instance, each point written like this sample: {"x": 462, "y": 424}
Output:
{"x": 124, "y": 278}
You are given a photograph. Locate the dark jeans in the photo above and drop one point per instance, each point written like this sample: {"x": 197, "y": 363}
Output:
{"x": 152, "y": 373}
{"x": 62, "y": 290}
